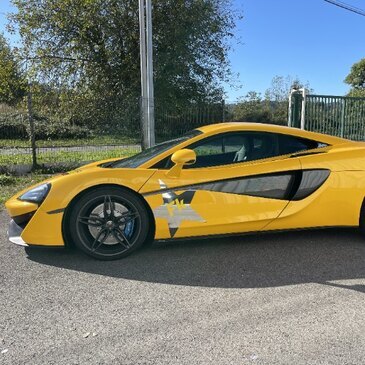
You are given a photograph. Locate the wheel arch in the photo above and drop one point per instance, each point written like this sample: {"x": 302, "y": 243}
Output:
{"x": 66, "y": 236}
{"x": 362, "y": 217}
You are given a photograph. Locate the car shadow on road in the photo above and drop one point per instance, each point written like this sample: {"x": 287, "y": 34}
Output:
{"x": 250, "y": 261}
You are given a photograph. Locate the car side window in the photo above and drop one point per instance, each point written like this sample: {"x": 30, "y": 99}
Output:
{"x": 209, "y": 152}
{"x": 238, "y": 147}
{"x": 214, "y": 146}
{"x": 291, "y": 144}
{"x": 233, "y": 148}
{"x": 262, "y": 145}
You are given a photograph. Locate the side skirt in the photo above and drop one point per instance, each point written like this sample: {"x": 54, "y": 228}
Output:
{"x": 252, "y": 233}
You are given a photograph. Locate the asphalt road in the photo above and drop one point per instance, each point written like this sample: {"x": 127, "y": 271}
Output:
{"x": 284, "y": 298}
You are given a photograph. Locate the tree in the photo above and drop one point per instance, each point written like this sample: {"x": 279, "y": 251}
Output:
{"x": 251, "y": 108}
{"x": 273, "y": 108}
{"x": 277, "y": 97}
{"x": 356, "y": 79}
{"x": 280, "y": 88}
{"x": 12, "y": 82}
{"x": 92, "y": 48}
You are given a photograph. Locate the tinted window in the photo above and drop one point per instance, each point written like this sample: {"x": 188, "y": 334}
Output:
{"x": 263, "y": 145}
{"x": 291, "y": 144}
{"x": 237, "y": 147}
{"x": 210, "y": 153}
{"x": 234, "y": 147}
{"x": 213, "y": 146}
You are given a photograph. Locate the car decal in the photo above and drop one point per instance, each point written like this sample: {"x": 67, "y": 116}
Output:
{"x": 176, "y": 208}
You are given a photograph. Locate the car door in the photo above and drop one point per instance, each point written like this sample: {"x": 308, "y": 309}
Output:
{"x": 239, "y": 183}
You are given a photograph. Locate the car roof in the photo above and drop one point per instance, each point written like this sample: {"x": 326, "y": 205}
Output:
{"x": 272, "y": 128}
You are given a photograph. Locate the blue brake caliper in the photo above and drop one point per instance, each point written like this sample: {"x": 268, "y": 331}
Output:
{"x": 128, "y": 229}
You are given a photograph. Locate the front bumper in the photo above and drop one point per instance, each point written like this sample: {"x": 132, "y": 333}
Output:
{"x": 14, "y": 234}
{"x": 31, "y": 225}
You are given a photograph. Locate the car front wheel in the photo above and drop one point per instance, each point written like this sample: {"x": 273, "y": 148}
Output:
{"x": 108, "y": 223}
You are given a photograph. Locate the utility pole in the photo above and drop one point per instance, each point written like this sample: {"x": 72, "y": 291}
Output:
{"x": 150, "y": 88}
{"x": 147, "y": 89}
{"x": 142, "y": 48}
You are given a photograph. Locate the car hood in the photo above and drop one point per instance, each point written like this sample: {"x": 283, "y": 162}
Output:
{"x": 97, "y": 163}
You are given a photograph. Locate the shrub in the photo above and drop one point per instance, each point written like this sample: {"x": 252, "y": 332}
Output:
{"x": 6, "y": 180}
{"x": 16, "y": 126}
{"x": 60, "y": 130}
{"x": 13, "y": 126}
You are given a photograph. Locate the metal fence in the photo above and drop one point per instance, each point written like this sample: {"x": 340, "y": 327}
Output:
{"x": 65, "y": 144}
{"x": 335, "y": 115}
{"x": 172, "y": 123}
{"x": 62, "y": 142}
{"x": 59, "y": 142}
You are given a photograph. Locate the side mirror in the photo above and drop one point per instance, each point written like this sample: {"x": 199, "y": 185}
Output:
{"x": 184, "y": 157}
{"x": 181, "y": 158}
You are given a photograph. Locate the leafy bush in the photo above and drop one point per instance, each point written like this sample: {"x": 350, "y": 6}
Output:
{"x": 46, "y": 129}
{"x": 6, "y": 180}
{"x": 13, "y": 126}
{"x": 16, "y": 126}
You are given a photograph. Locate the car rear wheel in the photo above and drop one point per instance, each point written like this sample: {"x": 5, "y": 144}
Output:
{"x": 108, "y": 223}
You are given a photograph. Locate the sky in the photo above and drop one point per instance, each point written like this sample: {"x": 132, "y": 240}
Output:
{"x": 307, "y": 39}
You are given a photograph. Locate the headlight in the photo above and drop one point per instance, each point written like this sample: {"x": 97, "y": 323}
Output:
{"x": 37, "y": 194}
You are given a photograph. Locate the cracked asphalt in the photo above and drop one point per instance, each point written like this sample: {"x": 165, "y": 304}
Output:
{"x": 283, "y": 298}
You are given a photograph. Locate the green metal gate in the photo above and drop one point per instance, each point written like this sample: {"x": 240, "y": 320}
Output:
{"x": 335, "y": 115}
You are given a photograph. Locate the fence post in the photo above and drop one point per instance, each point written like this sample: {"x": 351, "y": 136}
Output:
{"x": 31, "y": 126}
{"x": 302, "y": 116}
{"x": 290, "y": 109}
{"x": 295, "y": 108}
{"x": 342, "y": 127}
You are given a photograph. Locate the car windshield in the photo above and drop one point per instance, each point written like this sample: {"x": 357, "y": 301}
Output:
{"x": 149, "y": 153}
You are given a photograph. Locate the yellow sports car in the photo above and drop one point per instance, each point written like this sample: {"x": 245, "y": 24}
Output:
{"x": 225, "y": 178}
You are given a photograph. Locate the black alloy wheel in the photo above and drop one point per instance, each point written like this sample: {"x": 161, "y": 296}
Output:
{"x": 109, "y": 223}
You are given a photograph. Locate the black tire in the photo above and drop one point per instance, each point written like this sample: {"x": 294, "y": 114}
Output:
{"x": 108, "y": 223}
{"x": 362, "y": 218}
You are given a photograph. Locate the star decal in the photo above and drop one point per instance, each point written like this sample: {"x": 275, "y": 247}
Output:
{"x": 176, "y": 208}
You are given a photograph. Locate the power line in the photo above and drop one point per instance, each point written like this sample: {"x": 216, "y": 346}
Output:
{"x": 346, "y": 6}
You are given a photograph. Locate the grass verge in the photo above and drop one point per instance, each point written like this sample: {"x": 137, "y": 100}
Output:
{"x": 97, "y": 141}
{"x": 66, "y": 156}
